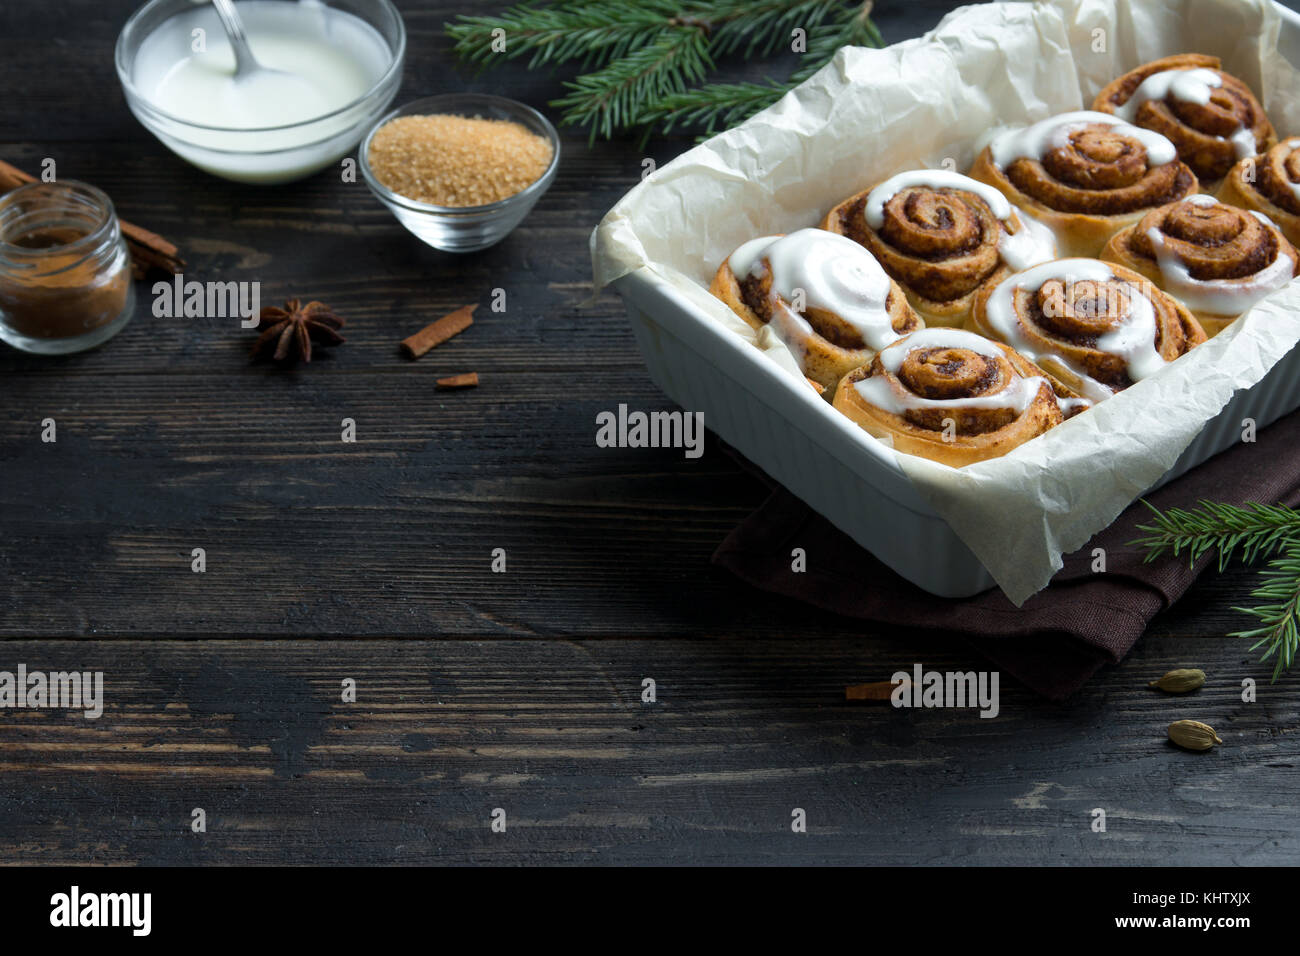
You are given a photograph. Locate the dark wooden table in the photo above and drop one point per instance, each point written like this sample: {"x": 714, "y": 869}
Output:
{"x": 371, "y": 561}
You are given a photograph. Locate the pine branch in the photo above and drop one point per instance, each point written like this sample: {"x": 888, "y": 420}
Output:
{"x": 823, "y": 43}
{"x": 1257, "y": 531}
{"x": 613, "y": 97}
{"x": 711, "y": 107}
{"x": 647, "y": 54}
{"x": 590, "y": 33}
{"x": 1280, "y": 633}
{"x": 760, "y": 26}
{"x": 721, "y": 105}
{"x": 596, "y": 33}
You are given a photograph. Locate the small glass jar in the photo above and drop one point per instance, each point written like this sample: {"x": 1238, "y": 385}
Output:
{"x": 65, "y": 271}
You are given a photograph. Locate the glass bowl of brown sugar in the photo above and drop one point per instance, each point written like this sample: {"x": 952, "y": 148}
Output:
{"x": 461, "y": 170}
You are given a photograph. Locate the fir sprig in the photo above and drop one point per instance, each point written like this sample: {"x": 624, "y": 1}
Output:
{"x": 1256, "y": 531}
{"x": 590, "y": 33}
{"x": 825, "y": 41}
{"x": 720, "y": 105}
{"x": 1280, "y": 633}
{"x": 758, "y": 27}
{"x": 642, "y": 62}
{"x": 612, "y": 97}
{"x": 712, "y": 107}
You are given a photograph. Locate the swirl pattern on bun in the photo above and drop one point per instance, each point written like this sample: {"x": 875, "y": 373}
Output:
{"x": 951, "y": 396}
{"x": 822, "y": 294}
{"x": 1086, "y": 175}
{"x": 1269, "y": 184}
{"x": 942, "y": 236}
{"x": 1093, "y": 327}
{"x": 1218, "y": 260}
{"x": 1211, "y": 117}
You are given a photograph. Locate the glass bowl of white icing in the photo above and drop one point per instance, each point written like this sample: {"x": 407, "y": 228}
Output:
{"x": 332, "y": 69}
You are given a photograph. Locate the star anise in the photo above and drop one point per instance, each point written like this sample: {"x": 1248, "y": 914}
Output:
{"x": 294, "y": 328}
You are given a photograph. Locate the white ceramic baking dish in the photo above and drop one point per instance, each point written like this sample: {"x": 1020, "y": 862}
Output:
{"x": 824, "y": 458}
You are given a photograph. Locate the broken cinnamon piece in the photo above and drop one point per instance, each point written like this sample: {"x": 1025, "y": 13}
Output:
{"x": 149, "y": 251}
{"x": 463, "y": 380}
{"x": 881, "y": 690}
{"x": 436, "y": 333}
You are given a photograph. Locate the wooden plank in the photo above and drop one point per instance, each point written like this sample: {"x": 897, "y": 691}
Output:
{"x": 556, "y": 734}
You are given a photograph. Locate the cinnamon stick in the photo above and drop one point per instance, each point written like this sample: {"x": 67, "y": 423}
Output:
{"x": 150, "y": 252}
{"x": 463, "y": 380}
{"x": 881, "y": 690}
{"x": 436, "y": 333}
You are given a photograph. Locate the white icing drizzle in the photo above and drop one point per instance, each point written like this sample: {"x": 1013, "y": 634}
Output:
{"x": 937, "y": 337}
{"x": 1132, "y": 337}
{"x": 747, "y": 256}
{"x": 1032, "y": 244}
{"x": 1034, "y": 142}
{"x": 935, "y": 179}
{"x": 834, "y": 273}
{"x": 1243, "y": 143}
{"x": 1186, "y": 86}
{"x": 1291, "y": 145}
{"x": 880, "y": 392}
{"x": 1068, "y": 405}
{"x": 1218, "y": 296}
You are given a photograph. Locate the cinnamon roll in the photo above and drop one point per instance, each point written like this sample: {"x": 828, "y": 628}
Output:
{"x": 1216, "y": 259}
{"x": 942, "y": 236}
{"x": 1085, "y": 175}
{"x": 1093, "y": 327}
{"x": 822, "y": 294}
{"x": 1211, "y": 117}
{"x": 1269, "y": 184}
{"x": 951, "y": 396}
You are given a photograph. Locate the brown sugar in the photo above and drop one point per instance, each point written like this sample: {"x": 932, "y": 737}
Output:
{"x": 457, "y": 160}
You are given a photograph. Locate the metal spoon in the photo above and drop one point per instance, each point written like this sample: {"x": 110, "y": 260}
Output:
{"x": 253, "y": 81}
{"x": 245, "y": 63}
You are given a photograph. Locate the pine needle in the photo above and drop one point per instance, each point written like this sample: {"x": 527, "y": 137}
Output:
{"x": 722, "y": 105}
{"x": 718, "y": 105}
{"x": 642, "y": 63}
{"x": 824, "y": 42}
{"x": 614, "y": 96}
{"x": 589, "y": 33}
{"x": 760, "y": 27}
{"x": 1255, "y": 531}
{"x": 1280, "y": 633}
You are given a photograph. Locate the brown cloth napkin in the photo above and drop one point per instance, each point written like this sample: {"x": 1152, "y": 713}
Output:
{"x": 1063, "y": 634}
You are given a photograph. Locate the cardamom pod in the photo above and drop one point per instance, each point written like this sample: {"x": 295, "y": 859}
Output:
{"x": 1180, "y": 681}
{"x": 1193, "y": 735}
